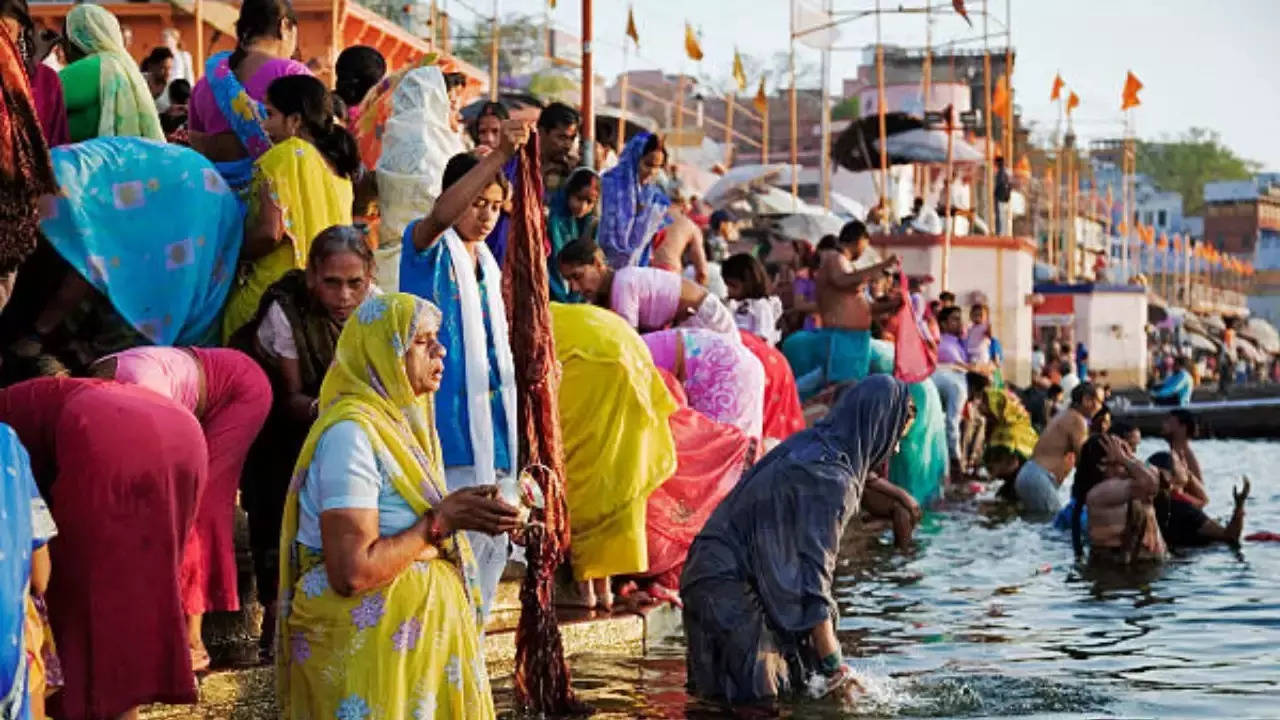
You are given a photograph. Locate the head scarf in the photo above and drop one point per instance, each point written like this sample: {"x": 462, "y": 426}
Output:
{"x": 368, "y": 385}
{"x": 127, "y": 105}
{"x": 417, "y": 143}
{"x": 867, "y": 421}
{"x": 630, "y": 213}
{"x": 25, "y": 170}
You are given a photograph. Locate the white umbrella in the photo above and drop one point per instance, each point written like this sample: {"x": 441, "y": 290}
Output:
{"x": 737, "y": 180}
{"x": 775, "y": 201}
{"x": 845, "y": 205}
{"x": 1247, "y": 350}
{"x": 809, "y": 227}
{"x": 929, "y": 146}
{"x": 1200, "y": 342}
{"x": 1263, "y": 333}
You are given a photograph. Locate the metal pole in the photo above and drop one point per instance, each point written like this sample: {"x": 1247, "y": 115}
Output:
{"x": 493, "y": 56}
{"x": 587, "y": 132}
{"x": 989, "y": 190}
{"x": 795, "y": 131}
{"x": 880, "y": 100}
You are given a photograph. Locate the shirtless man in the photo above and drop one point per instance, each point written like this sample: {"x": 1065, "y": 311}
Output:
{"x": 680, "y": 236}
{"x": 647, "y": 298}
{"x": 1056, "y": 452}
{"x": 1122, "y": 517}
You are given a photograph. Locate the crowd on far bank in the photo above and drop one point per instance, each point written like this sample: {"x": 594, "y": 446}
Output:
{"x": 319, "y": 304}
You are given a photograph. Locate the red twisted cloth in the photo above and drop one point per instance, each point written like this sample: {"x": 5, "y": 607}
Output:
{"x": 542, "y": 676}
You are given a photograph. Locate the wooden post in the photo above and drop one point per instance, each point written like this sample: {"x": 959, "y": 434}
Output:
{"x": 988, "y": 190}
{"x": 764, "y": 134}
{"x": 335, "y": 33}
{"x": 433, "y": 20}
{"x": 880, "y": 100}
{"x": 493, "y": 56}
{"x": 949, "y": 220}
{"x": 795, "y": 127}
{"x": 588, "y": 128}
{"x": 199, "y": 68}
{"x": 1009, "y": 124}
{"x": 728, "y": 130}
{"x": 622, "y": 116}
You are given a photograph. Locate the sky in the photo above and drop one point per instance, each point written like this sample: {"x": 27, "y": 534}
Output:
{"x": 1204, "y": 63}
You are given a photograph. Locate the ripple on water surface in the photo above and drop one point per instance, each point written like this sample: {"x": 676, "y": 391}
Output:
{"x": 990, "y": 617}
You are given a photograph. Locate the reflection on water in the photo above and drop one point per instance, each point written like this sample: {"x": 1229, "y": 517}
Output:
{"x": 991, "y": 617}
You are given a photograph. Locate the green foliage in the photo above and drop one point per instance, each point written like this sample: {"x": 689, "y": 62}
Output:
{"x": 521, "y": 41}
{"x": 847, "y": 109}
{"x": 1186, "y": 164}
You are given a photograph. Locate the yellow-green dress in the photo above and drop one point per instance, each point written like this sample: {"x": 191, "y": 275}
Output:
{"x": 411, "y": 648}
{"x": 311, "y": 199}
{"x": 618, "y": 447}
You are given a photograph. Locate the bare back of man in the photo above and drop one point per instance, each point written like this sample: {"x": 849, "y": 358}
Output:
{"x": 1122, "y": 518}
{"x": 681, "y": 235}
{"x": 1060, "y": 443}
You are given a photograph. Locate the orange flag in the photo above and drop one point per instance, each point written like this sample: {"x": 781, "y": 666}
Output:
{"x": 1073, "y": 101}
{"x": 1023, "y": 167}
{"x": 959, "y": 6}
{"x": 1000, "y": 98}
{"x": 691, "y": 46}
{"x": 631, "y": 28}
{"x": 762, "y": 101}
{"x": 1058, "y": 84}
{"x": 1131, "y": 87}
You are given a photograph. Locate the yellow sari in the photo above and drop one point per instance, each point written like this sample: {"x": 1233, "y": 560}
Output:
{"x": 311, "y": 199}
{"x": 1013, "y": 430}
{"x": 409, "y": 649}
{"x": 618, "y": 446}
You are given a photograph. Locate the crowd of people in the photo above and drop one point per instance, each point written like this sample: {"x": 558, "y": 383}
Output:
{"x": 298, "y": 299}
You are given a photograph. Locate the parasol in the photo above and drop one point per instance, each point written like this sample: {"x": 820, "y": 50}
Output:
{"x": 927, "y": 146}
{"x": 1263, "y": 334}
{"x": 738, "y": 180}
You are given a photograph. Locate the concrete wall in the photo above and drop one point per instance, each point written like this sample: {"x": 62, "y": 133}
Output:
{"x": 1113, "y": 327}
{"x": 999, "y": 268}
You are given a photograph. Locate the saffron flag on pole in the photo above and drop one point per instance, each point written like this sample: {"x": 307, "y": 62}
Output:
{"x": 1073, "y": 101}
{"x": 1131, "y": 87}
{"x": 1058, "y": 84}
{"x": 761, "y": 101}
{"x": 959, "y": 6}
{"x": 1000, "y": 106}
{"x": 691, "y": 46}
{"x": 631, "y": 27}
{"x": 739, "y": 75}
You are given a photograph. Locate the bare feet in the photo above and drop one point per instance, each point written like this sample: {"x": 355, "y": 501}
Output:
{"x": 604, "y": 593}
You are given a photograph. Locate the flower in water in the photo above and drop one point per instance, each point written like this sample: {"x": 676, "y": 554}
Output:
{"x": 406, "y": 636}
{"x": 369, "y": 612}
{"x": 353, "y": 708}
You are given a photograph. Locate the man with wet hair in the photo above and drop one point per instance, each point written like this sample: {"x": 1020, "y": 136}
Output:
{"x": 1056, "y": 452}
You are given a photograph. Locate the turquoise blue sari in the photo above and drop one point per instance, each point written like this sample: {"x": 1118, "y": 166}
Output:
{"x": 827, "y": 356}
{"x": 153, "y": 227}
{"x": 16, "y": 543}
{"x": 245, "y": 116}
{"x": 921, "y": 461}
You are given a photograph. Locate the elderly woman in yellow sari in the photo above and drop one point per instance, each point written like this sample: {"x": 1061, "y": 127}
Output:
{"x": 300, "y": 187}
{"x": 618, "y": 447}
{"x": 379, "y": 601}
{"x": 105, "y": 92}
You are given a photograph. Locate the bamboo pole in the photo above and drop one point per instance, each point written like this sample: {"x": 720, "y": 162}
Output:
{"x": 622, "y": 116}
{"x": 764, "y": 134}
{"x": 950, "y": 221}
{"x": 335, "y": 33}
{"x": 825, "y": 160}
{"x": 493, "y": 56}
{"x": 1007, "y": 222}
{"x": 728, "y": 130}
{"x": 927, "y": 75}
{"x": 795, "y": 128}
{"x": 199, "y": 68}
{"x": 588, "y": 128}
{"x": 880, "y": 100}
{"x": 679, "y": 114}
{"x": 988, "y": 190}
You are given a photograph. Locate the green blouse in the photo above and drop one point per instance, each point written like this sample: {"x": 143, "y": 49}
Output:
{"x": 81, "y": 90}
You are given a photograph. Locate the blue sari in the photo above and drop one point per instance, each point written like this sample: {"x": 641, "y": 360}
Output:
{"x": 245, "y": 116}
{"x": 920, "y": 463}
{"x": 630, "y": 213}
{"x": 151, "y": 226}
{"x": 17, "y": 538}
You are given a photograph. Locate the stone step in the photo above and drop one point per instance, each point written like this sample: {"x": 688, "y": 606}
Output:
{"x": 629, "y": 632}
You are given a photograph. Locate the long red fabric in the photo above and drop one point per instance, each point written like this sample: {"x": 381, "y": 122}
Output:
{"x": 783, "y": 415}
{"x": 542, "y": 676}
{"x": 911, "y": 360}
{"x": 711, "y": 458}
{"x": 121, "y": 467}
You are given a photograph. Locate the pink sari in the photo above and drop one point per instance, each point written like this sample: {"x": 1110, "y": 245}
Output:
{"x": 723, "y": 379}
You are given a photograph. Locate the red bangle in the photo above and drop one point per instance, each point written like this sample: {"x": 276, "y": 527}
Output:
{"x": 435, "y": 533}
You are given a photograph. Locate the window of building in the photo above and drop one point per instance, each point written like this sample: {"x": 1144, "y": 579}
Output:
{"x": 1222, "y": 241}
{"x": 1162, "y": 218}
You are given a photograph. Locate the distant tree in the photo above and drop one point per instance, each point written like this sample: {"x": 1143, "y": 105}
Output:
{"x": 847, "y": 109}
{"x": 1186, "y": 164}
{"x": 520, "y": 43}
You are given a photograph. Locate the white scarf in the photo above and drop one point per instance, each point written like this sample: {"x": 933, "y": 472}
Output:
{"x": 476, "y": 357}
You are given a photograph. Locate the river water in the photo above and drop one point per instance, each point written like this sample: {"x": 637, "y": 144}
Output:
{"x": 991, "y": 617}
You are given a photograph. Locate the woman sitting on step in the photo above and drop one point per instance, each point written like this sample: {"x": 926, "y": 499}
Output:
{"x": 379, "y": 595}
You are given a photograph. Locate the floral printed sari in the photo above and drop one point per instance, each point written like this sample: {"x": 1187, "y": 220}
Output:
{"x": 245, "y": 116}
{"x": 411, "y": 648}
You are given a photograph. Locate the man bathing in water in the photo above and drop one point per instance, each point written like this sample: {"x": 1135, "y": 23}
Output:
{"x": 1120, "y": 500}
{"x": 1056, "y": 452}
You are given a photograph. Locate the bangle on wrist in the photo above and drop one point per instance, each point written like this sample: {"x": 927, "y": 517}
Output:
{"x": 435, "y": 528}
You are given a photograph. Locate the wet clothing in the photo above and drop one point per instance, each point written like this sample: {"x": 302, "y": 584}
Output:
{"x": 758, "y": 577}
{"x": 1037, "y": 489}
